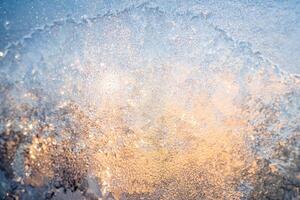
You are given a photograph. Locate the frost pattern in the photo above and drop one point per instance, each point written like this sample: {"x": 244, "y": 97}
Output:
{"x": 144, "y": 104}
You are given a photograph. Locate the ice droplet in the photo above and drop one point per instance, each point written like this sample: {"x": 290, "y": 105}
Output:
{"x": 2, "y": 54}
{"x": 17, "y": 56}
{"x": 6, "y": 25}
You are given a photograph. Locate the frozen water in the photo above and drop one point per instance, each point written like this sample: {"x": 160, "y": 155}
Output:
{"x": 152, "y": 102}
{"x": 271, "y": 27}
